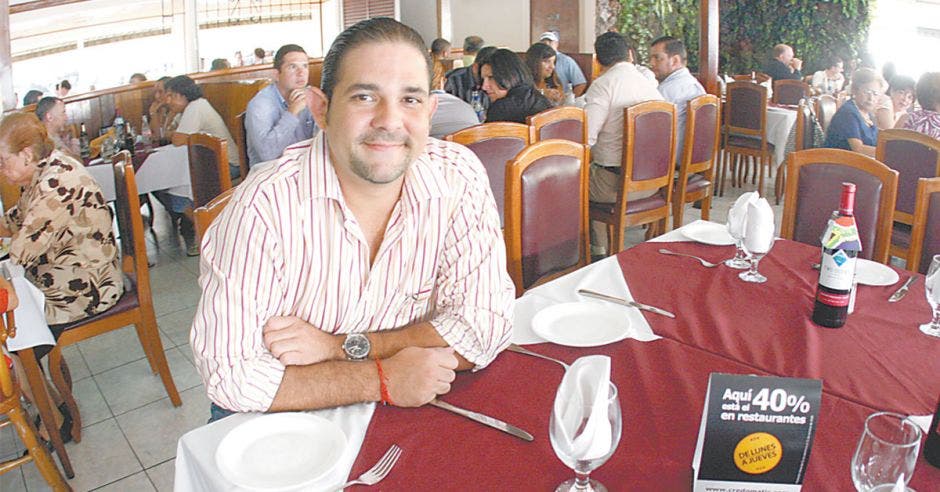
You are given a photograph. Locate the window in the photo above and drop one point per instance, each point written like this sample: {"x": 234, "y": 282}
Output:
{"x": 357, "y": 10}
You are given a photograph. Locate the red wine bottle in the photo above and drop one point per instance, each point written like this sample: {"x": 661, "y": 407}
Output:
{"x": 840, "y": 247}
{"x": 932, "y": 446}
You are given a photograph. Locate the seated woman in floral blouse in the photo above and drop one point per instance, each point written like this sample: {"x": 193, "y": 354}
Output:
{"x": 925, "y": 120}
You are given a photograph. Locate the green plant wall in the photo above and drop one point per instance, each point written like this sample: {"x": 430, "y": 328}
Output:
{"x": 750, "y": 29}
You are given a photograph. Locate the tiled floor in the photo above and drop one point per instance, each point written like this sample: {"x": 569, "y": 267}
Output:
{"x": 131, "y": 429}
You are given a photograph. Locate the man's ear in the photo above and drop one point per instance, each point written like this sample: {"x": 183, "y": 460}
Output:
{"x": 432, "y": 102}
{"x": 319, "y": 105}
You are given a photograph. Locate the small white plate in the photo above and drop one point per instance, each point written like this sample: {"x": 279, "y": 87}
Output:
{"x": 280, "y": 451}
{"x": 5, "y": 246}
{"x": 869, "y": 272}
{"x": 582, "y": 324}
{"x": 708, "y": 233}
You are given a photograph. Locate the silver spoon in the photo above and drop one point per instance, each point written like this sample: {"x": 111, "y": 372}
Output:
{"x": 704, "y": 262}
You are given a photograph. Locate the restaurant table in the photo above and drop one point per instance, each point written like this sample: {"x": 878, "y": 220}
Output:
{"x": 780, "y": 123}
{"x": 163, "y": 168}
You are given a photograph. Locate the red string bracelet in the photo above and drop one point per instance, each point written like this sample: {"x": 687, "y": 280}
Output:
{"x": 383, "y": 384}
{"x": 4, "y": 300}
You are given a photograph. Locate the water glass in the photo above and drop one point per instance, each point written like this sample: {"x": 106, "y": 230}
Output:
{"x": 886, "y": 452}
{"x": 739, "y": 261}
{"x": 933, "y": 298}
{"x": 577, "y": 460}
{"x": 753, "y": 259}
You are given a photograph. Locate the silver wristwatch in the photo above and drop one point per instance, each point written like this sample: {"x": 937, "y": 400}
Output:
{"x": 357, "y": 346}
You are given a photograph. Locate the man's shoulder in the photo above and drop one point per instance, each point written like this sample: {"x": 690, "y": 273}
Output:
{"x": 267, "y": 179}
{"x": 454, "y": 164}
{"x": 264, "y": 98}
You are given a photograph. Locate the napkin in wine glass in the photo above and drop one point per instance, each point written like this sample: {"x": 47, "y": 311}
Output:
{"x": 738, "y": 213}
{"x": 585, "y": 389}
{"x": 759, "y": 227}
{"x": 932, "y": 284}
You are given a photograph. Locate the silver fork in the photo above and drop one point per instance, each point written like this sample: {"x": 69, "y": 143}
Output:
{"x": 520, "y": 350}
{"x": 379, "y": 470}
{"x": 705, "y": 263}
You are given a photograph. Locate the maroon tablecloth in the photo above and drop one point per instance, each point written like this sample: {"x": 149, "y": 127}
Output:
{"x": 879, "y": 358}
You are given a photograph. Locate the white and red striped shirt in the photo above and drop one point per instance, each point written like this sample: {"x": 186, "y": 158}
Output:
{"x": 287, "y": 244}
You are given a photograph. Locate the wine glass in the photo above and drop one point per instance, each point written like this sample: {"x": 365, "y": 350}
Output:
{"x": 933, "y": 298}
{"x": 753, "y": 258}
{"x": 886, "y": 452}
{"x": 739, "y": 261}
{"x": 585, "y": 448}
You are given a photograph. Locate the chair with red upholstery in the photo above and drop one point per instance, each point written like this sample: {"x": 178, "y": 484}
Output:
{"x": 495, "y": 144}
{"x": 790, "y": 92}
{"x": 564, "y": 122}
{"x": 805, "y": 131}
{"x": 699, "y": 153}
{"x": 647, "y": 167}
{"x": 826, "y": 107}
{"x": 208, "y": 167}
{"x": 925, "y": 234}
{"x": 913, "y": 155}
{"x": 547, "y": 212}
{"x": 745, "y": 133}
{"x": 813, "y": 191}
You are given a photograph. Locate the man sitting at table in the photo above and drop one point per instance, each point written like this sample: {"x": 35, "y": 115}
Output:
{"x": 783, "y": 66}
{"x": 278, "y": 115}
{"x": 620, "y": 85}
{"x": 51, "y": 112}
{"x": 364, "y": 265}
{"x": 676, "y": 84}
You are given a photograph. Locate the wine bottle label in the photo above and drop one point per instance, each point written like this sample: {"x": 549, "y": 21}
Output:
{"x": 834, "y": 300}
{"x": 837, "y": 270}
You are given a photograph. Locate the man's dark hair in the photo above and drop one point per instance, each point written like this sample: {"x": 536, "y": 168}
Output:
{"x": 901, "y": 83}
{"x": 259, "y": 54}
{"x": 508, "y": 70}
{"x": 439, "y": 45}
{"x": 283, "y": 51}
{"x": 220, "y": 64}
{"x": 139, "y": 76}
{"x": 65, "y": 84}
{"x": 534, "y": 56}
{"x": 672, "y": 47}
{"x": 833, "y": 60}
{"x": 164, "y": 79}
{"x": 375, "y": 30}
{"x": 611, "y": 48}
{"x": 472, "y": 44}
{"x": 44, "y": 106}
{"x": 32, "y": 97}
{"x": 184, "y": 86}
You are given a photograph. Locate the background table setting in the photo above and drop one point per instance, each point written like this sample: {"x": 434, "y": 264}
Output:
{"x": 159, "y": 168}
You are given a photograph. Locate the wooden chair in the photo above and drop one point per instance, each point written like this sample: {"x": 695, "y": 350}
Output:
{"x": 135, "y": 306}
{"x": 206, "y": 214}
{"x": 648, "y": 163}
{"x": 826, "y": 107}
{"x": 495, "y": 144}
{"x": 699, "y": 153}
{"x": 925, "y": 234}
{"x": 745, "y": 133}
{"x": 241, "y": 142}
{"x": 913, "y": 155}
{"x": 564, "y": 122}
{"x": 14, "y": 411}
{"x": 791, "y": 92}
{"x": 757, "y": 77}
{"x": 548, "y": 179}
{"x": 813, "y": 192}
{"x": 804, "y": 139}
{"x": 208, "y": 167}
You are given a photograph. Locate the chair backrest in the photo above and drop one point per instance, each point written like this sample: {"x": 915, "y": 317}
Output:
{"x": 826, "y": 107}
{"x": 913, "y": 155}
{"x": 7, "y": 329}
{"x": 790, "y": 91}
{"x": 746, "y": 108}
{"x": 564, "y": 122}
{"x": 814, "y": 179}
{"x": 130, "y": 223}
{"x": 547, "y": 212}
{"x": 207, "y": 213}
{"x": 805, "y": 124}
{"x": 702, "y": 132}
{"x": 495, "y": 144}
{"x": 925, "y": 233}
{"x": 208, "y": 167}
{"x": 758, "y": 77}
{"x": 649, "y": 135}
{"x": 241, "y": 143}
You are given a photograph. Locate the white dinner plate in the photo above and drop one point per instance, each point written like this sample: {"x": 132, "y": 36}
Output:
{"x": 873, "y": 273}
{"x": 5, "y": 246}
{"x": 708, "y": 233}
{"x": 280, "y": 451}
{"x": 581, "y": 324}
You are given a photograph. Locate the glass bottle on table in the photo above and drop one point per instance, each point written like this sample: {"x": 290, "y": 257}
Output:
{"x": 840, "y": 247}
{"x": 128, "y": 143}
{"x": 932, "y": 446}
{"x": 84, "y": 143}
{"x": 145, "y": 132}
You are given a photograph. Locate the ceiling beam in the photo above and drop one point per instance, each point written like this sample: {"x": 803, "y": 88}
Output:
{"x": 39, "y": 4}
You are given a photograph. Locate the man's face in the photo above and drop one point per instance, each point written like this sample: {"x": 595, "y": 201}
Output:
{"x": 377, "y": 121}
{"x": 661, "y": 63}
{"x": 56, "y": 118}
{"x": 158, "y": 92}
{"x": 176, "y": 101}
{"x": 294, "y": 71}
{"x": 835, "y": 69}
{"x": 492, "y": 89}
{"x": 787, "y": 55}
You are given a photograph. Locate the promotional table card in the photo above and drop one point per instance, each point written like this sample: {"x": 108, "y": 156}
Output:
{"x": 756, "y": 433}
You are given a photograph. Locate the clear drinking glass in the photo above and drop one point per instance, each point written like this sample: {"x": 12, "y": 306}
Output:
{"x": 739, "y": 261}
{"x": 886, "y": 452}
{"x": 933, "y": 298}
{"x": 752, "y": 275}
{"x": 570, "y": 457}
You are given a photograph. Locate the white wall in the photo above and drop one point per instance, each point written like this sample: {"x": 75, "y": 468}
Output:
{"x": 503, "y": 23}
{"x": 421, "y": 15}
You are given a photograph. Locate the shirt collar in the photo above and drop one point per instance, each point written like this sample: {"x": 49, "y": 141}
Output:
{"x": 277, "y": 93}
{"x": 680, "y": 73}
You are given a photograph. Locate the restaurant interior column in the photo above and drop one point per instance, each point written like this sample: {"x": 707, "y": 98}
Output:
{"x": 191, "y": 37}
{"x": 708, "y": 45}
{"x": 445, "y": 26}
{"x": 6, "y": 59}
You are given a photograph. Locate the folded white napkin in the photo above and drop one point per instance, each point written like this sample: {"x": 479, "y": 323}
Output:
{"x": 581, "y": 409}
{"x": 30, "y": 314}
{"x": 759, "y": 227}
{"x": 737, "y": 214}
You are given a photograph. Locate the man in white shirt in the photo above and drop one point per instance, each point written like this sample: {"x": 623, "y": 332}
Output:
{"x": 677, "y": 85}
{"x": 364, "y": 265}
{"x": 619, "y": 86}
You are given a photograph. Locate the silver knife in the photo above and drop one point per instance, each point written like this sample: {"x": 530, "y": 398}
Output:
{"x": 617, "y": 300}
{"x": 900, "y": 293}
{"x": 484, "y": 419}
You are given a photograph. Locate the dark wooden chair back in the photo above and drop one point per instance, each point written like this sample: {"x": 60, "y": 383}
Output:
{"x": 925, "y": 233}
{"x": 826, "y": 107}
{"x": 790, "y": 91}
{"x": 564, "y": 122}
{"x": 699, "y": 155}
{"x": 913, "y": 155}
{"x": 208, "y": 167}
{"x": 746, "y": 109}
{"x": 241, "y": 143}
{"x": 206, "y": 214}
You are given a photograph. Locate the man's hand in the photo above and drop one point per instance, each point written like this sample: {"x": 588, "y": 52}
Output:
{"x": 297, "y": 343}
{"x": 796, "y": 64}
{"x": 417, "y": 375}
{"x": 297, "y": 101}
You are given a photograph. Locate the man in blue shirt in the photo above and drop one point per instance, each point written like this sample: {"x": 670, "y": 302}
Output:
{"x": 569, "y": 73}
{"x": 677, "y": 85}
{"x": 278, "y": 115}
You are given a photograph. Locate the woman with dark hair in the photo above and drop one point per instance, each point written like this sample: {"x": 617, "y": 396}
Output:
{"x": 62, "y": 89}
{"x": 508, "y": 83}
{"x": 898, "y": 100}
{"x": 540, "y": 58}
{"x": 852, "y": 127}
{"x": 925, "y": 120}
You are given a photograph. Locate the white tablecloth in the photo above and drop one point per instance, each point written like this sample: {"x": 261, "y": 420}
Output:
{"x": 29, "y": 315}
{"x": 165, "y": 169}
{"x": 779, "y": 124}
{"x": 195, "y": 453}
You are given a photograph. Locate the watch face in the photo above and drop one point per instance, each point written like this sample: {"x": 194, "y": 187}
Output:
{"x": 356, "y": 346}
